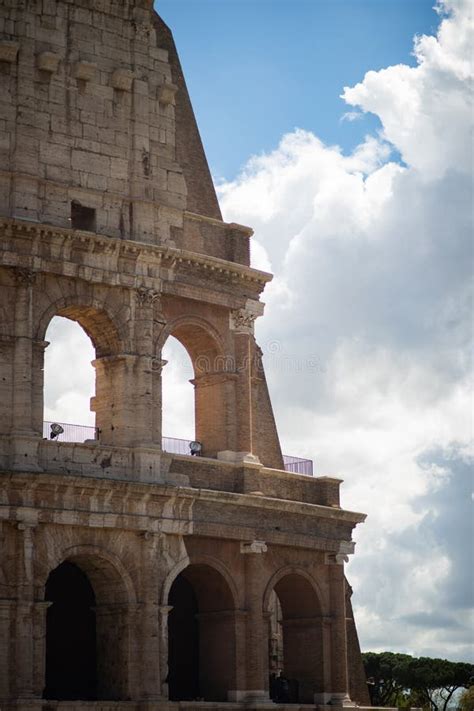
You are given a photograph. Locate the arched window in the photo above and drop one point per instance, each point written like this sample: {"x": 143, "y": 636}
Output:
{"x": 88, "y": 635}
{"x": 211, "y": 376}
{"x": 295, "y": 641}
{"x": 69, "y": 380}
{"x": 178, "y": 396}
{"x": 71, "y": 661}
{"x": 201, "y": 636}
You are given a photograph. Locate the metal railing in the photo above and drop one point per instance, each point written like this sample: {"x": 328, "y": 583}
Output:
{"x": 173, "y": 445}
{"x": 297, "y": 465}
{"x": 71, "y": 433}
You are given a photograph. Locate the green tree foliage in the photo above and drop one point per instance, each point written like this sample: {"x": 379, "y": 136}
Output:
{"x": 401, "y": 680}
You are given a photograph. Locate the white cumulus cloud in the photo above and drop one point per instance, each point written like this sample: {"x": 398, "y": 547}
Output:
{"x": 368, "y": 320}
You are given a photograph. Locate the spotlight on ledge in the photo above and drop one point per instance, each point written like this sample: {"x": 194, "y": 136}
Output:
{"x": 195, "y": 448}
{"x": 56, "y": 430}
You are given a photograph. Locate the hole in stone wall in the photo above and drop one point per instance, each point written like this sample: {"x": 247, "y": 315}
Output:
{"x": 69, "y": 379}
{"x": 201, "y": 636}
{"x": 178, "y": 392}
{"x": 82, "y": 217}
{"x": 295, "y": 642}
{"x": 71, "y": 663}
{"x": 183, "y": 635}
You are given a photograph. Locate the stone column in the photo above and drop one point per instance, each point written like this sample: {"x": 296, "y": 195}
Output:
{"x": 24, "y": 613}
{"x": 120, "y": 416}
{"x": 256, "y": 637}
{"x": 39, "y": 348}
{"x": 150, "y": 648}
{"x": 241, "y": 321}
{"x": 339, "y": 668}
{"x": 164, "y": 611}
{"x": 23, "y": 357}
{"x": 25, "y": 441}
{"x": 40, "y": 611}
{"x": 7, "y": 671}
{"x": 157, "y": 365}
{"x": 146, "y": 301}
{"x": 243, "y": 350}
{"x": 240, "y": 622}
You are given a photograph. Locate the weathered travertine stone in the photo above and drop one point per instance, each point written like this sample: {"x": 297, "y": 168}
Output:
{"x": 166, "y": 93}
{"x": 122, "y": 79}
{"x": 8, "y": 50}
{"x": 108, "y": 217}
{"x": 48, "y": 62}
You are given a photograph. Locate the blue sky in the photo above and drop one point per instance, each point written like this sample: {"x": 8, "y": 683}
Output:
{"x": 257, "y": 69}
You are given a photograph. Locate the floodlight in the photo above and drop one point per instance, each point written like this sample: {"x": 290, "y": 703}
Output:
{"x": 56, "y": 430}
{"x": 195, "y": 448}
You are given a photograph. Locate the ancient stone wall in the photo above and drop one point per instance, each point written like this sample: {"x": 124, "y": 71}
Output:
{"x": 108, "y": 217}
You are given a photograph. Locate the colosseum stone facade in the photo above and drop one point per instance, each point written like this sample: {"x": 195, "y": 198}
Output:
{"x": 132, "y": 577}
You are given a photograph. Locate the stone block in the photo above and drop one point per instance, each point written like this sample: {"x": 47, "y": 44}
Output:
{"x": 167, "y": 94}
{"x": 55, "y": 154}
{"x": 119, "y": 168}
{"x": 94, "y": 182}
{"x": 140, "y": 87}
{"x": 86, "y": 71}
{"x": 48, "y": 62}
{"x": 90, "y": 162}
{"x": 176, "y": 183}
{"x": 8, "y": 51}
{"x": 122, "y": 79}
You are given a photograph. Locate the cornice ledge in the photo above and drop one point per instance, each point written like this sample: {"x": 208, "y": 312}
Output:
{"x": 160, "y": 252}
{"x": 214, "y": 221}
{"x": 268, "y": 502}
{"x": 222, "y": 266}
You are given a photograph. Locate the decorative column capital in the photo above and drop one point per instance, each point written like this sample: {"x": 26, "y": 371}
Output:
{"x": 243, "y": 320}
{"x": 24, "y": 277}
{"x": 157, "y": 364}
{"x": 346, "y": 548}
{"x": 147, "y": 297}
{"x": 253, "y": 547}
{"x": 336, "y": 558}
{"x": 26, "y": 525}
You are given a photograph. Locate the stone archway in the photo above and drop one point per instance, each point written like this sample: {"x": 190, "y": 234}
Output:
{"x": 213, "y": 381}
{"x": 201, "y": 635}
{"x": 71, "y": 655}
{"x": 295, "y": 618}
{"x": 88, "y": 627}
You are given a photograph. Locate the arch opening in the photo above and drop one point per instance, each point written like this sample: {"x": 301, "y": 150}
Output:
{"x": 178, "y": 408}
{"x": 296, "y": 641}
{"x": 69, "y": 380}
{"x": 87, "y": 628}
{"x": 201, "y": 636}
{"x": 211, "y": 377}
{"x": 71, "y": 658}
{"x": 83, "y": 339}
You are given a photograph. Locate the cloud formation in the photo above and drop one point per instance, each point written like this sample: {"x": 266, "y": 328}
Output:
{"x": 367, "y": 331}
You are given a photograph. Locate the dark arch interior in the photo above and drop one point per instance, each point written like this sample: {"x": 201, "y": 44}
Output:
{"x": 183, "y": 635}
{"x": 71, "y": 660}
{"x": 295, "y": 641}
{"x": 201, "y": 636}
